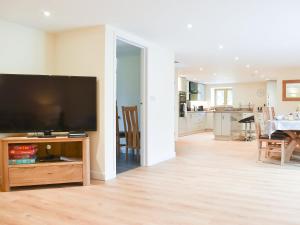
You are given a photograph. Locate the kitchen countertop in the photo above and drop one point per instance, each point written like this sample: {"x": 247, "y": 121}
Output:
{"x": 234, "y": 111}
{"x": 222, "y": 111}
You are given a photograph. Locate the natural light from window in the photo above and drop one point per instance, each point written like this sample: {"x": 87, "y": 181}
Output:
{"x": 223, "y": 97}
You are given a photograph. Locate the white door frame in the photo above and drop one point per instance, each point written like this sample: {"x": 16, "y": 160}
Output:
{"x": 143, "y": 93}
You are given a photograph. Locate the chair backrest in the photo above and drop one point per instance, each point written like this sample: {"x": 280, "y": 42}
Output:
{"x": 273, "y": 113}
{"x": 257, "y": 130}
{"x": 131, "y": 126}
{"x": 266, "y": 113}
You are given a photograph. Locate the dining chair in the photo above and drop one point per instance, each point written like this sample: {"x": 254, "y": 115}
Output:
{"x": 131, "y": 128}
{"x": 273, "y": 146}
{"x": 119, "y": 135}
{"x": 268, "y": 113}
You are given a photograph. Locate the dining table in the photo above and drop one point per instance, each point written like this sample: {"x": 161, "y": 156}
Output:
{"x": 291, "y": 128}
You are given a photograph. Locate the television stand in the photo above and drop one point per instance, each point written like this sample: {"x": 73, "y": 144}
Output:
{"x": 74, "y": 166}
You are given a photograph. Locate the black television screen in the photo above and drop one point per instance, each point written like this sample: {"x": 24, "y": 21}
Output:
{"x": 35, "y": 103}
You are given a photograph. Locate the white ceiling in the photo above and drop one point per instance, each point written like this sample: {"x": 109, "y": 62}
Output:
{"x": 263, "y": 33}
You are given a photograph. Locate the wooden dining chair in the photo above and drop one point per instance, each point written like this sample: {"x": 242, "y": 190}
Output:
{"x": 131, "y": 128}
{"x": 272, "y": 113}
{"x": 268, "y": 113}
{"x": 273, "y": 146}
{"x": 119, "y": 135}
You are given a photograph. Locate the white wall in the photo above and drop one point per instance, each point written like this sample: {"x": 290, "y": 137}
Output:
{"x": 272, "y": 99}
{"x": 243, "y": 93}
{"x": 81, "y": 52}
{"x": 160, "y": 99}
{"x": 25, "y": 50}
{"x": 161, "y": 105}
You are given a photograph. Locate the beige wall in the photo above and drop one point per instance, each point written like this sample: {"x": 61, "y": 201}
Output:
{"x": 284, "y": 107}
{"x": 91, "y": 52}
{"x": 243, "y": 93}
{"x": 25, "y": 50}
{"x": 80, "y": 52}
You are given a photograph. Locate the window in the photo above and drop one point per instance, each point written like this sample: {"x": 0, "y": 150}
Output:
{"x": 223, "y": 97}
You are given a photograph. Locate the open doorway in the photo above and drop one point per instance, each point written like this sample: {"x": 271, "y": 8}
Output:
{"x": 129, "y": 99}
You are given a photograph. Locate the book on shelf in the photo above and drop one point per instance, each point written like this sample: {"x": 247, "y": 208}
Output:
{"x": 23, "y": 147}
{"x": 21, "y": 161}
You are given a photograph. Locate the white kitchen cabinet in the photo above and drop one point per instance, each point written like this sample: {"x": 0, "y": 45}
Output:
{"x": 182, "y": 84}
{"x": 193, "y": 123}
{"x": 222, "y": 125}
{"x": 217, "y": 124}
{"x": 182, "y": 126}
{"x": 209, "y": 123}
{"x": 226, "y": 124}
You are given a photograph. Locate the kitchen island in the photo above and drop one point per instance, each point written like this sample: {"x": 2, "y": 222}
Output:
{"x": 227, "y": 126}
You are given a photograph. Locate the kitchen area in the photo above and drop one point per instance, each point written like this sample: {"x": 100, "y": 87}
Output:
{"x": 203, "y": 108}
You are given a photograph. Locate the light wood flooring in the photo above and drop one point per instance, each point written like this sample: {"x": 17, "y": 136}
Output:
{"x": 209, "y": 183}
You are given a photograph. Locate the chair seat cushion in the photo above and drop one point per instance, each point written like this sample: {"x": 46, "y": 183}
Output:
{"x": 263, "y": 137}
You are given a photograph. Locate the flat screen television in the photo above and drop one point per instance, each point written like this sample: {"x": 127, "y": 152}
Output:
{"x": 40, "y": 103}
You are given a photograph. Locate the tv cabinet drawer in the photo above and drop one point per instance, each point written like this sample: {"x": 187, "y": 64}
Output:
{"x": 46, "y": 173}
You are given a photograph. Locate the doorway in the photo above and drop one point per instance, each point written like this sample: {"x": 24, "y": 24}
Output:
{"x": 129, "y": 71}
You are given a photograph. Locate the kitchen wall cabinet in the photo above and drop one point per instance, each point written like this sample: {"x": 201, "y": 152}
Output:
{"x": 201, "y": 93}
{"x": 182, "y": 84}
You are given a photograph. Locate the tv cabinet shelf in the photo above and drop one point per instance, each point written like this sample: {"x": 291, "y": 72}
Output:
{"x": 43, "y": 173}
{"x": 46, "y": 164}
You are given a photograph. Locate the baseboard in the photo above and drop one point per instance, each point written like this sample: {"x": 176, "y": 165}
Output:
{"x": 96, "y": 175}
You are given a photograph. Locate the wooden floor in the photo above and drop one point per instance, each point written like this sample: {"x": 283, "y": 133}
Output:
{"x": 209, "y": 183}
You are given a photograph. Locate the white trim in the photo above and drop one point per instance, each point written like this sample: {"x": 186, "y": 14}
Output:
{"x": 143, "y": 97}
{"x": 108, "y": 102}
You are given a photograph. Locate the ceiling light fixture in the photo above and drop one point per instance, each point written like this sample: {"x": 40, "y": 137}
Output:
{"x": 247, "y": 66}
{"x": 215, "y": 74}
{"x": 221, "y": 47}
{"x": 201, "y": 69}
{"x": 236, "y": 58}
{"x": 255, "y": 71}
{"x": 190, "y": 26}
{"x": 46, "y": 13}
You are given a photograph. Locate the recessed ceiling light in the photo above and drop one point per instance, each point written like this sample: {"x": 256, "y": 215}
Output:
{"x": 189, "y": 26}
{"x": 201, "y": 69}
{"x": 247, "y": 66}
{"x": 221, "y": 47}
{"x": 215, "y": 74}
{"x": 255, "y": 71}
{"x": 236, "y": 58}
{"x": 46, "y": 13}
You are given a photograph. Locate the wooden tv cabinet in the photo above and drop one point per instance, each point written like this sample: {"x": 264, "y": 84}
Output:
{"x": 76, "y": 171}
